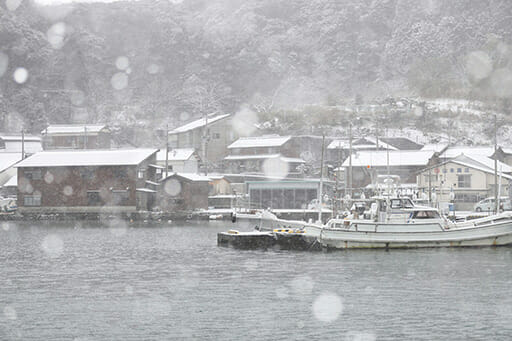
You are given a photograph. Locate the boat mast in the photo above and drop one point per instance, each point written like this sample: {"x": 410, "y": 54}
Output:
{"x": 167, "y": 150}
{"x": 349, "y": 182}
{"x": 320, "y": 194}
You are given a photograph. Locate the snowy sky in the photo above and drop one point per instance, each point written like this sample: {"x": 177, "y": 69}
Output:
{"x": 53, "y": 2}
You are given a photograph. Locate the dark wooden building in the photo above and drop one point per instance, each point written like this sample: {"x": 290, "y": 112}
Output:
{"x": 183, "y": 192}
{"x": 76, "y": 136}
{"x": 92, "y": 181}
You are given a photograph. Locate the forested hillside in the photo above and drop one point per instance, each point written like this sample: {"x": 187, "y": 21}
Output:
{"x": 147, "y": 63}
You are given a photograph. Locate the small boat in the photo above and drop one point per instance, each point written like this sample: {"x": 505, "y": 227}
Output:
{"x": 403, "y": 225}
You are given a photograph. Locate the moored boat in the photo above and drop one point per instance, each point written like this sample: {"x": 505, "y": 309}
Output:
{"x": 408, "y": 226}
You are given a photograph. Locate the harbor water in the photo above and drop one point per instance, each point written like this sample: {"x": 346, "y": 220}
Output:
{"x": 119, "y": 281}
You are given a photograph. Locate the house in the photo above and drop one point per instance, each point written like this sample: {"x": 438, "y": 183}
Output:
{"x": 209, "y": 136}
{"x": 269, "y": 155}
{"x": 7, "y": 162}
{"x": 219, "y": 185}
{"x": 181, "y": 192}
{"x": 507, "y": 155}
{"x": 180, "y": 160}
{"x": 9, "y": 188}
{"x": 76, "y": 136}
{"x": 455, "y": 151}
{"x": 339, "y": 149}
{"x": 86, "y": 181}
{"x": 367, "y": 165}
{"x": 469, "y": 177}
{"x": 20, "y": 143}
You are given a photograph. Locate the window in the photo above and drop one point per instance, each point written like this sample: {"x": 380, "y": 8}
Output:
{"x": 33, "y": 174}
{"x": 216, "y": 136}
{"x": 451, "y": 170}
{"x": 119, "y": 197}
{"x": 445, "y": 170}
{"x": 140, "y": 173}
{"x": 93, "y": 198}
{"x": 433, "y": 178}
{"x": 396, "y": 203}
{"x": 466, "y": 170}
{"x": 32, "y": 200}
{"x": 425, "y": 215}
{"x": 464, "y": 181}
{"x": 459, "y": 170}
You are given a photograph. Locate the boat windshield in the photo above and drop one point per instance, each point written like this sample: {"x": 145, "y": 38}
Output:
{"x": 425, "y": 215}
{"x": 401, "y": 203}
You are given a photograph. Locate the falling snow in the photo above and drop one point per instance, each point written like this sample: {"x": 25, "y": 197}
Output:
{"x": 20, "y": 75}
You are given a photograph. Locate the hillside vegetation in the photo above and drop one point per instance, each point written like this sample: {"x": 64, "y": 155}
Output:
{"x": 141, "y": 65}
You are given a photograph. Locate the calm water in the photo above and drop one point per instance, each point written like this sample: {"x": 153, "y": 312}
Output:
{"x": 83, "y": 282}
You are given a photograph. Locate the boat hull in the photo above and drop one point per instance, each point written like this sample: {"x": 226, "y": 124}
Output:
{"x": 498, "y": 234}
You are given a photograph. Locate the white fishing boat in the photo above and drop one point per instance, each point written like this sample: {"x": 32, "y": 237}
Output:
{"x": 403, "y": 227}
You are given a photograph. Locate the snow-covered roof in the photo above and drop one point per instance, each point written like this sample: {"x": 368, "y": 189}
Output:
{"x": 146, "y": 190}
{"x": 111, "y": 157}
{"x": 292, "y": 159}
{"x": 339, "y": 144}
{"x": 379, "y": 158}
{"x": 7, "y": 160}
{"x": 179, "y": 154}
{"x": 264, "y": 157}
{"x": 489, "y": 163}
{"x": 198, "y": 123}
{"x": 12, "y": 182}
{"x": 373, "y": 140}
{"x": 73, "y": 129}
{"x": 455, "y": 151}
{"x": 189, "y": 176}
{"x": 30, "y": 147}
{"x": 465, "y": 161}
{"x": 357, "y": 144}
{"x": 260, "y": 141}
{"x": 20, "y": 138}
{"x": 437, "y": 147}
{"x": 251, "y": 157}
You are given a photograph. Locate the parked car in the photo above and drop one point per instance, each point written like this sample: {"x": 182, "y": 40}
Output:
{"x": 488, "y": 204}
{"x": 7, "y": 204}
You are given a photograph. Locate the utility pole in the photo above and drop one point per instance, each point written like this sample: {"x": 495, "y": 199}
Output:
{"x": 495, "y": 164}
{"x": 167, "y": 150}
{"x": 205, "y": 151}
{"x": 85, "y": 137}
{"x": 429, "y": 187}
{"x": 22, "y": 144}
